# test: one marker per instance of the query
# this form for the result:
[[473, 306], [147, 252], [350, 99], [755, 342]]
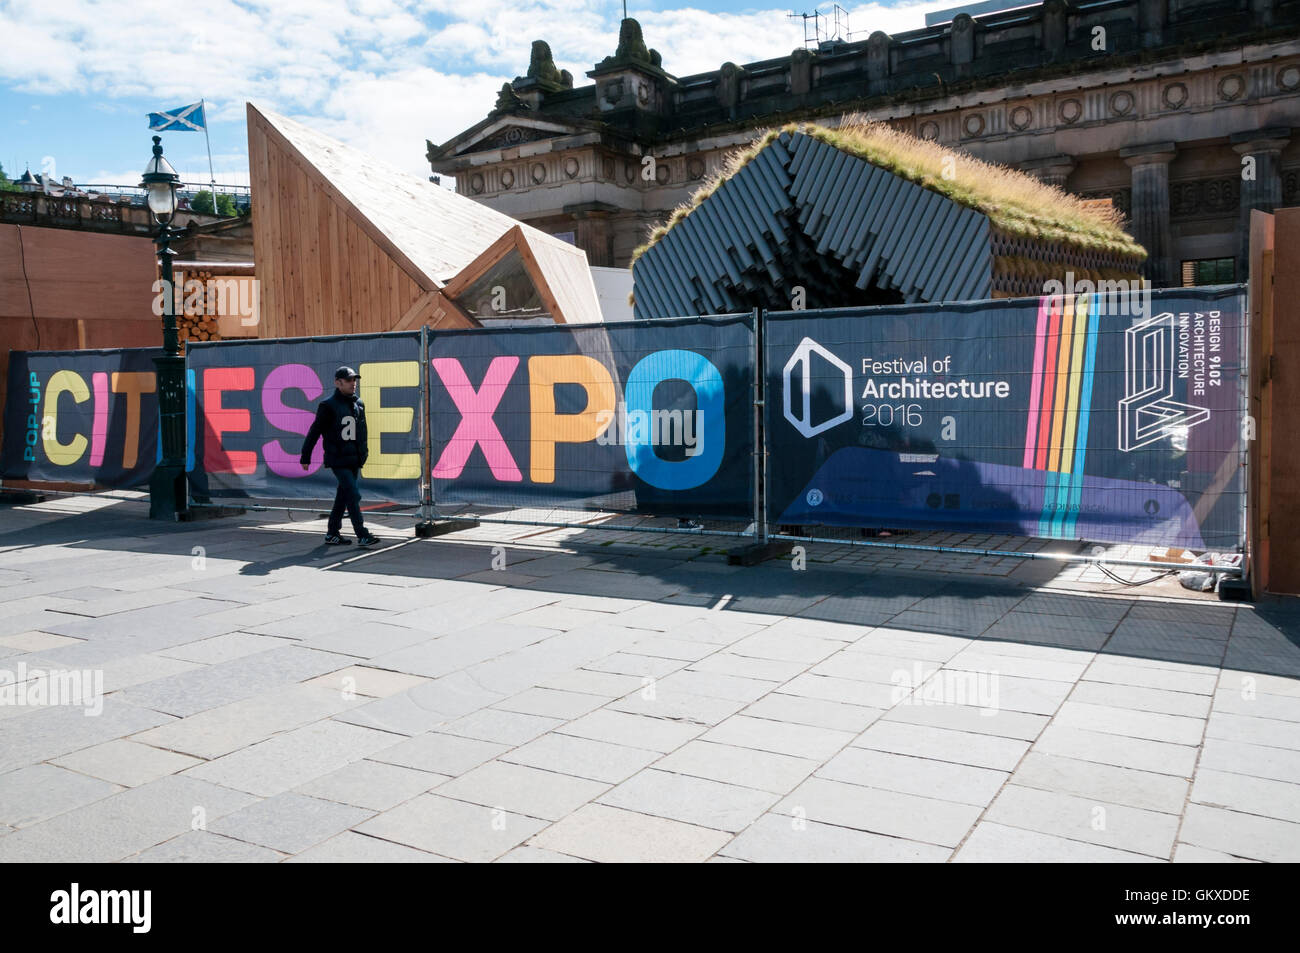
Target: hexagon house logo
[[829, 384]]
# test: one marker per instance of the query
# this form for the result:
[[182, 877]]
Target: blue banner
[[82, 417], [650, 417], [1099, 417], [253, 402]]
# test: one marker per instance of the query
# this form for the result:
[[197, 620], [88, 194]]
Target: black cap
[[345, 373]]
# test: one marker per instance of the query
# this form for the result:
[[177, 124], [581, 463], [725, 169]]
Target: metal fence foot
[[196, 514], [755, 553], [431, 528], [1235, 590]]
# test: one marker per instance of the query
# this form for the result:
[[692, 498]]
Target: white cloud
[[383, 75]]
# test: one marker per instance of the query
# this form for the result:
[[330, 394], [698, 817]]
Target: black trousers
[[347, 497]]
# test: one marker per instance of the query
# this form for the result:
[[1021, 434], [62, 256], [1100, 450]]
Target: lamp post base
[[168, 493]]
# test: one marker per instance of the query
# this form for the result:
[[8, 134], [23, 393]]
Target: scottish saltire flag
[[182, 119]]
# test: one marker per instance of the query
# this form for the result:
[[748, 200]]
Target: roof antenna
[[837, 25]]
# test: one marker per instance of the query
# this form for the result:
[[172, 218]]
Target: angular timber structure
[[867, 215]]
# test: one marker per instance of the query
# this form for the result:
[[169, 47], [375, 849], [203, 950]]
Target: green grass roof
[[1013, 201]]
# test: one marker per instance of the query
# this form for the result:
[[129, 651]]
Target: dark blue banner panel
[[1098, 417], [648, 417], [82, 417], [254, 401]]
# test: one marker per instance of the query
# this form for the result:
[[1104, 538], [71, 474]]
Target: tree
[[202, 203], [5, 184], [226, 205]]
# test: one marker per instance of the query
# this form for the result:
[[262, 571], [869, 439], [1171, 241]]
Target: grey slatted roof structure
[[804, 213]]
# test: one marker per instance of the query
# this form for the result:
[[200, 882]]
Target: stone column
[[1153, 15], [1261, 182], [1149, 213], [962, 44], [877, 57], [1053, 170], [1055, 27], [592, 232]]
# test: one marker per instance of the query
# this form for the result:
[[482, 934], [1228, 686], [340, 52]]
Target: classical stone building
[[1180, 111]]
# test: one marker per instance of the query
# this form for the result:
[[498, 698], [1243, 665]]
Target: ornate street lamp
[[168, 493]]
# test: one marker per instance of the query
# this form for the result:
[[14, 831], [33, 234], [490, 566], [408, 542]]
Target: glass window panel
[[505, 291]]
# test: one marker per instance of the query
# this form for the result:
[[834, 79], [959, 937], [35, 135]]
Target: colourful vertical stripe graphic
[[1056, 430], [1036, 386]]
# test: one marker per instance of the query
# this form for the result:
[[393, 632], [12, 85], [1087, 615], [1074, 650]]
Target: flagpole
[[212, 176]]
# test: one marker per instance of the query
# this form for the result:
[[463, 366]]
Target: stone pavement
[[524, 694]]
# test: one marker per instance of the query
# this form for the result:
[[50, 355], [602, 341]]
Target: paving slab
[[1156, 756], [289, 822], [509, 728], [780, 839], [993, 843], [675, 705], [211, 686], [602, 833], [1191, 854], [1232, 832], [1102, 782], [1238, 792], [293, 758], [815, 712], [439, 753], [350, 847], [219, 731], [205, 847], [1278, 764], [906, 774], [536, 855], [699, 801], [118, 826], [1129, 723], [519, 789], [637, 731], [550, 703], [128, 763], [909, 816], [762, 770], [1085, 819], [374, 785], [942, 744], [452, 828], [30, 795], [582, 757], [1258, 731]]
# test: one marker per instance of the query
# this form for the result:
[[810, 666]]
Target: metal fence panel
[[253, 401], [646, 417], [82, 417], [1056, 417]]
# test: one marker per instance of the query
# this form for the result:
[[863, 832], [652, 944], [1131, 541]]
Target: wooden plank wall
[[1259, 453], [320, 272], [1281, 337]]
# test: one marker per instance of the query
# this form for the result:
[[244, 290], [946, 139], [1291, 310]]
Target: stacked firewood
[[196, 320]]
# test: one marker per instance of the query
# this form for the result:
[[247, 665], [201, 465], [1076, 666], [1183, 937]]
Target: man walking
[[341, 424]]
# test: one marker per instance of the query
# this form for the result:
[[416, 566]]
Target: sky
[[77, 77]]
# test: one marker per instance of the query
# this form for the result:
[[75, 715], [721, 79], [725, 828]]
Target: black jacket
[[331, 419]]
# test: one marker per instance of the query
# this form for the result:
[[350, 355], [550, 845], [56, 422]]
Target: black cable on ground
[[1129, 582]]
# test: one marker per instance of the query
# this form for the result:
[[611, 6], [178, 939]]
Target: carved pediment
[[511, 136]]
